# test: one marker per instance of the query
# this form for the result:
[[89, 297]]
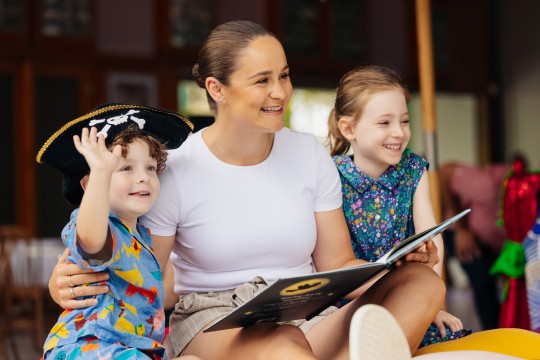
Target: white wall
[[520, 55], [456, 128]]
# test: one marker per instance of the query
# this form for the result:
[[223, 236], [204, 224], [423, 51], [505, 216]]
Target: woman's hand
[[427, 255], [445, 318], [68, 281]]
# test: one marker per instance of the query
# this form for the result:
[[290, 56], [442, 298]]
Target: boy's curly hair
[[158, 150]]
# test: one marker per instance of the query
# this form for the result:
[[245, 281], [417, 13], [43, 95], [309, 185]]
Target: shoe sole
[[376, 335]]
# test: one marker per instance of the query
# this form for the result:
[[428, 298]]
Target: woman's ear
[[84, 181], [346, 128], [214, 88]]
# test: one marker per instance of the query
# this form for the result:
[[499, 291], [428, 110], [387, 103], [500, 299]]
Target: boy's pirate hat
[[60, 152]]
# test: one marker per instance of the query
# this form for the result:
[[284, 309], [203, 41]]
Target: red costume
[[519, 209]]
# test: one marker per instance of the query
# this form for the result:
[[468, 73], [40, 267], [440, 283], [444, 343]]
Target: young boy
[[110, 159]]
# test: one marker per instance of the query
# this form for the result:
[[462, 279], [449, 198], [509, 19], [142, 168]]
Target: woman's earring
[[221, 99]]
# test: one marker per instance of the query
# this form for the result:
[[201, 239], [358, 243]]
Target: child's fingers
[[77, 141], [101, 141], [93, 135], [440, 327], [84, 136], [117, 150]]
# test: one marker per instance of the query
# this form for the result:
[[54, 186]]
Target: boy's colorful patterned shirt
[[132, 311], [379, 212]]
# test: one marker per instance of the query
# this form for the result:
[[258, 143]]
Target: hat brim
[[59, 151]]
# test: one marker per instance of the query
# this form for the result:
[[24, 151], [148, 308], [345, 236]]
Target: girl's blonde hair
[[352, 94]]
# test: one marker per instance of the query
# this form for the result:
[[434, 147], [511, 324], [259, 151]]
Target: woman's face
[[260, 88]]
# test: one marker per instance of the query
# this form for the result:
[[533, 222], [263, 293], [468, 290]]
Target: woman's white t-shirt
[[233, 223]]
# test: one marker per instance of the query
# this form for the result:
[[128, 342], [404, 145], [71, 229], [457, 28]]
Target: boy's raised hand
[[92, 147]]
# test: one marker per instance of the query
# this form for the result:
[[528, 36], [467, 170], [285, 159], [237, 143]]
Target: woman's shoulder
[[186, 150], [300, 140]]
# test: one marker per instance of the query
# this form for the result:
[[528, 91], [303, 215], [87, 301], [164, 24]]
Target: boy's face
[[134, 183]]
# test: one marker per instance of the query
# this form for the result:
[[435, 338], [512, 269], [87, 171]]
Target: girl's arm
[[424, 217], [93, 217]]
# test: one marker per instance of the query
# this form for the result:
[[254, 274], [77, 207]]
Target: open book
[[303, 297], [416, 241]]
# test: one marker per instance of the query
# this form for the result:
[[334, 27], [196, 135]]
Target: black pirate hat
[[59, 151]]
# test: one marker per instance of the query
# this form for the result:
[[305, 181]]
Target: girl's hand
[[69, 280], [445, 318], [92, 147], [427, 255]]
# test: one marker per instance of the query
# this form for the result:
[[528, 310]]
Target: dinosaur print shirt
[[132, 311]]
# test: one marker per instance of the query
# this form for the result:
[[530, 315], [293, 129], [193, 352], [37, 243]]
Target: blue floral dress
[[379, 212]]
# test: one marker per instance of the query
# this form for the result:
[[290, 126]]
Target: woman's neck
[[236, 146]]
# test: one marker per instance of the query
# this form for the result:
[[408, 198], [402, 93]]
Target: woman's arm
[[162, 246], [65, 275], [168, 285], [60, 286]]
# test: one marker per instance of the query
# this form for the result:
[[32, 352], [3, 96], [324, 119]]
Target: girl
[[385, 186]]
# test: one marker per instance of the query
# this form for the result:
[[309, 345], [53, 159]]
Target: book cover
[[299, 297]]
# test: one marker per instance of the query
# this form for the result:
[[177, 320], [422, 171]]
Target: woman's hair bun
[[197, 76]]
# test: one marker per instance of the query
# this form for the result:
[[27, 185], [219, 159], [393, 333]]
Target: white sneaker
[[376, 335]]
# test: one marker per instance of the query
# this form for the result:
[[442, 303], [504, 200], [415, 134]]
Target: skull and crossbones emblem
[[117, 120]]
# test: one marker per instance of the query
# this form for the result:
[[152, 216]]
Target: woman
[[246, 201]]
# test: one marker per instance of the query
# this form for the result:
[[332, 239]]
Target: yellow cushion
[[511, 341]]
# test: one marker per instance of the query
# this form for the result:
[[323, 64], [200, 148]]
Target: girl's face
[[260, 88], [382, 132], [134, 184]]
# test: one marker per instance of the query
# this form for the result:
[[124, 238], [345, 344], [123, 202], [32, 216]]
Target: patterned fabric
[[379, 212], [91, 348], [433, 335], [532, 274], [130, 314]]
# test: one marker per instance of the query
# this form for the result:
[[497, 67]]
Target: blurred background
[[61, 58]]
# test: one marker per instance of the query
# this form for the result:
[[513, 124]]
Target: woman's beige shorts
[[195, 311]]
